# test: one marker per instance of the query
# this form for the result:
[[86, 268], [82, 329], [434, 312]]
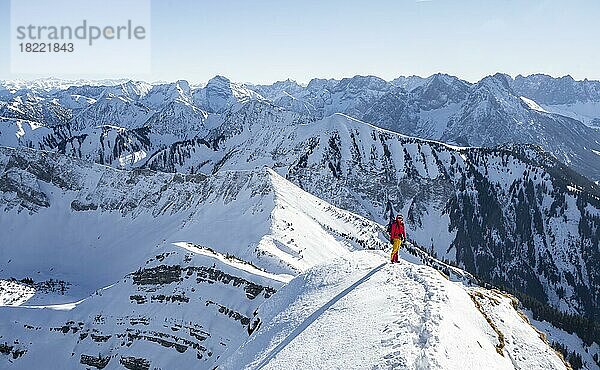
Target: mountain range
[[186, 292], [498, 182]]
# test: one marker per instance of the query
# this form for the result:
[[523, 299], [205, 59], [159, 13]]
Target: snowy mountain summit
[[300, 278], [237, 226], [361, 311]]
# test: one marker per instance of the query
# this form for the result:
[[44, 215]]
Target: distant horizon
[[301, 83], [266, 41]]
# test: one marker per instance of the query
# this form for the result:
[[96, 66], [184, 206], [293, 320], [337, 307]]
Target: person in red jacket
[[397, 236]]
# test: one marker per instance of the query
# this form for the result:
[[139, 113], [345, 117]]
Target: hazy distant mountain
[[493, 111]]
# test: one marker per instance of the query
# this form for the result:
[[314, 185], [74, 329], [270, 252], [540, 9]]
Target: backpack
[[389, 227]]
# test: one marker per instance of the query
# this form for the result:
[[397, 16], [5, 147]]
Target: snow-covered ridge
[[513, 215], [190, 295], [189, 287], [361, 310], [58, 190]]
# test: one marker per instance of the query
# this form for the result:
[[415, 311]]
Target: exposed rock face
[[545, 89], [134, 363]]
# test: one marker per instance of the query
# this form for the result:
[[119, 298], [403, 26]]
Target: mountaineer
[[397, 236]]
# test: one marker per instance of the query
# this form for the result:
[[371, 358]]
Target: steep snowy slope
[[57, 197], [516, 217], [187, 291], [112, 109], [26, 105], [16, 132], [360, 311], [575, 349], [180, 309], [111, 145], [190, 285]]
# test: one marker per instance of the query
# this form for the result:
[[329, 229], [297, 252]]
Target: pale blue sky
[[266, 40]]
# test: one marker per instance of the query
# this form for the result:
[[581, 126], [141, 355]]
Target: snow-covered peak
[[409, 83], [220, 93], [497, 83], [135, 89], [287, 84], [321, 83], [160, 95], [219, 81], [444, 78], [439, 90], [278, 89], [358, 83]]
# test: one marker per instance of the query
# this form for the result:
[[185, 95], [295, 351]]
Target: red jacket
[[398, 231]]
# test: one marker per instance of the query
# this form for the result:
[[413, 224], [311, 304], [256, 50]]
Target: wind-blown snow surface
[[360, 311]]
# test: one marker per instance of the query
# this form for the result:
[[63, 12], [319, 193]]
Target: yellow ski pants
[[396, 244]]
